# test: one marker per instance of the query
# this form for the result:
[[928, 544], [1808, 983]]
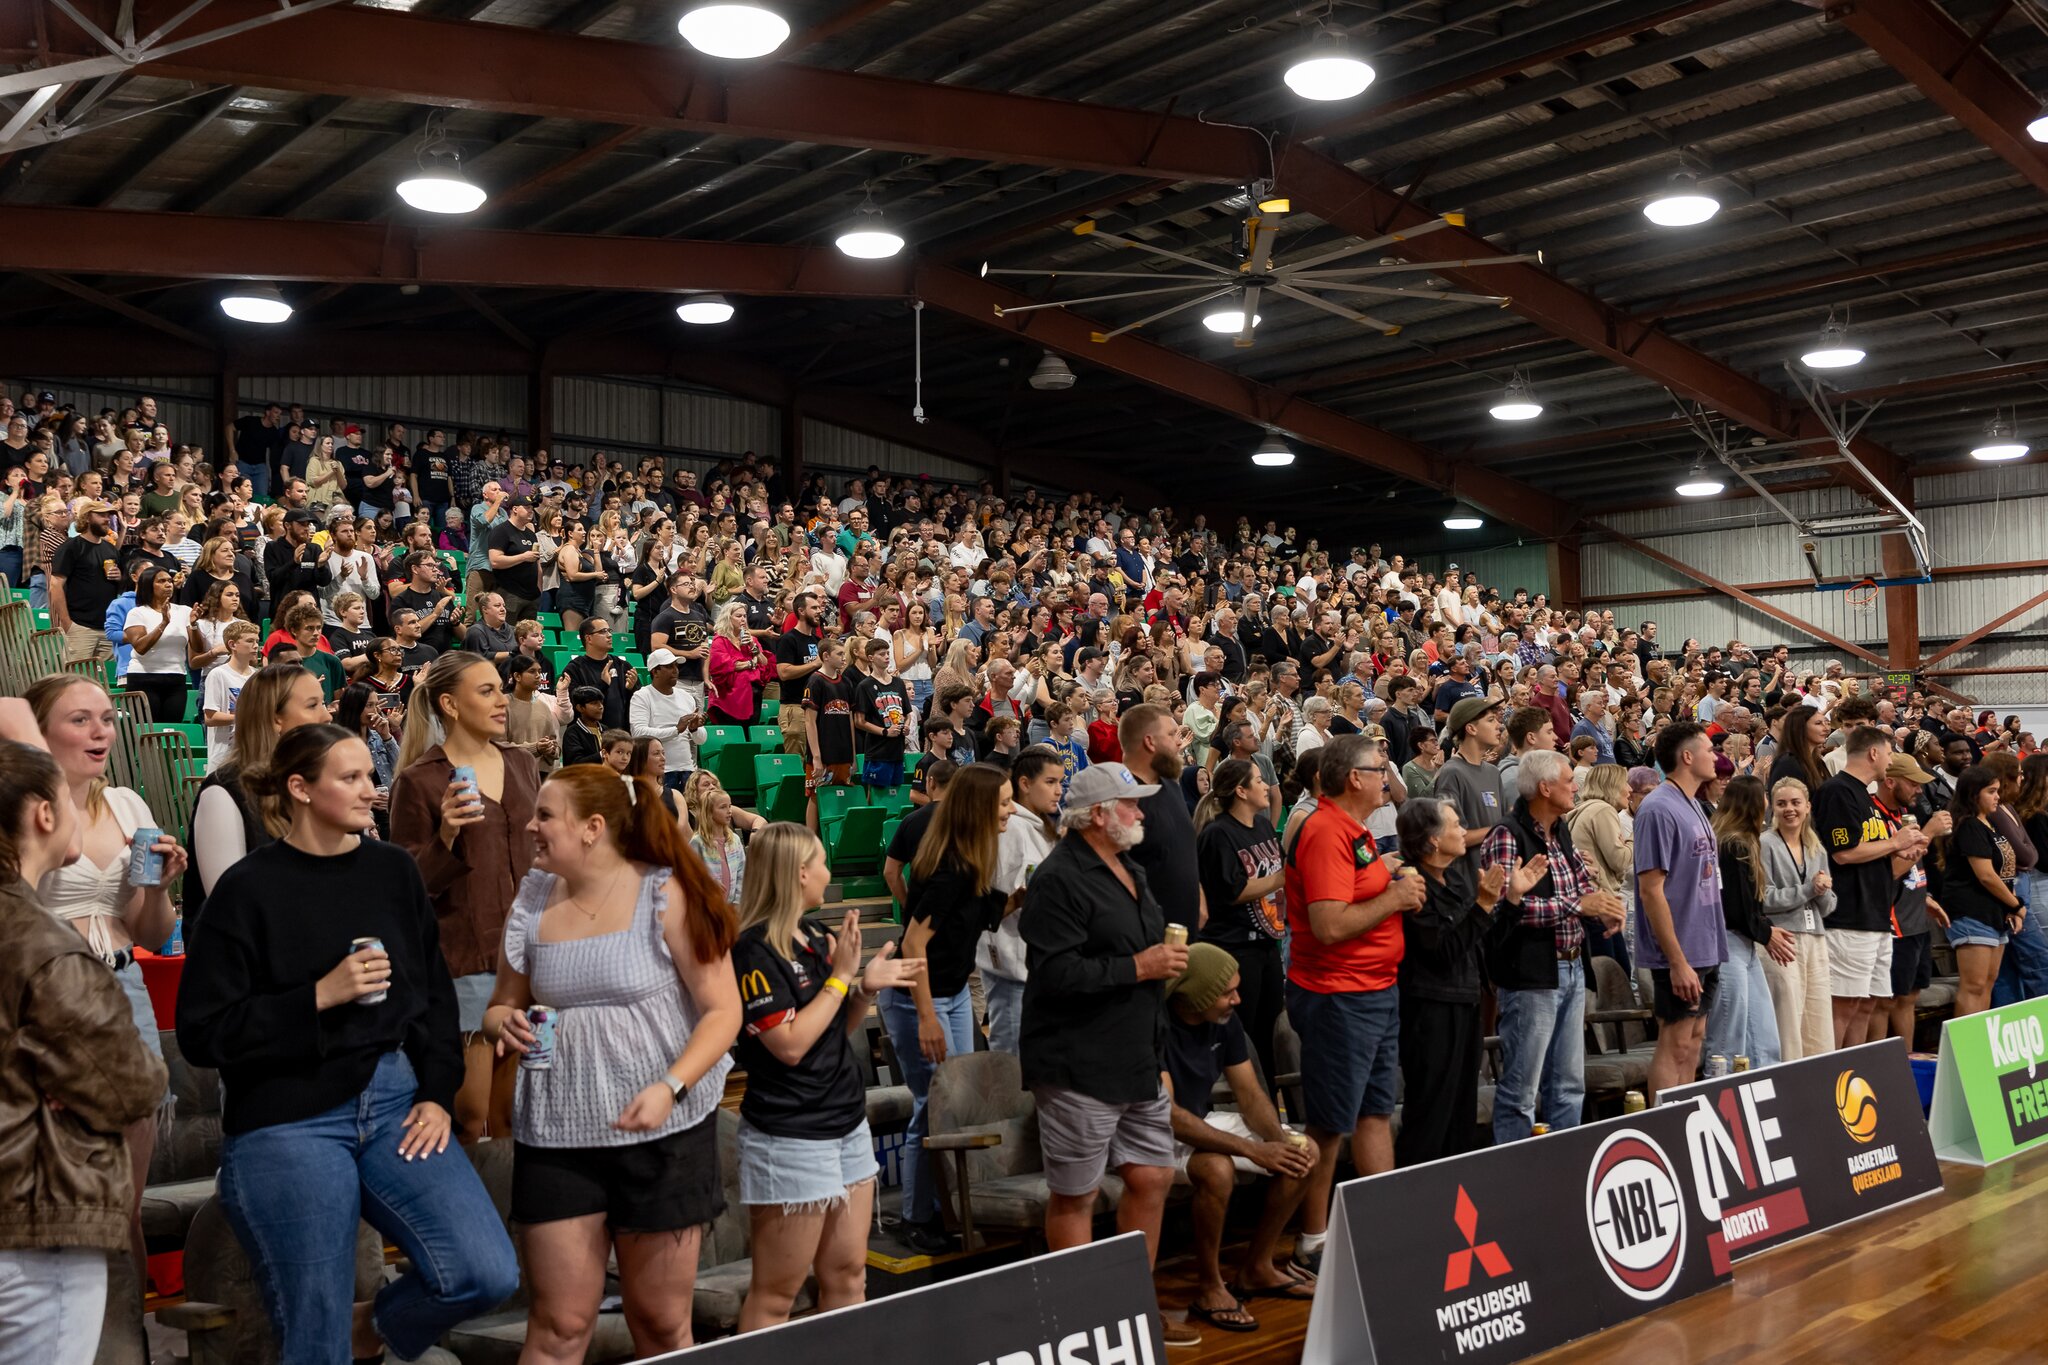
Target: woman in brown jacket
[[473, 848], [75, 1075]]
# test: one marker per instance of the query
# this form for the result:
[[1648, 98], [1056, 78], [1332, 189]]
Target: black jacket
[[1442, 959], [1742, 909], [1523, 957]]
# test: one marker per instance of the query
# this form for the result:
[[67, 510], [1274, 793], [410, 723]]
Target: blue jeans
[[1741, 1021], [38, 592], [293, 1194], [10, 565], [51, 1305], [2023, 973], [1005, 1011], [920, 693], [258, 475], [1542, 1041], [673, 782], [956, 1017]]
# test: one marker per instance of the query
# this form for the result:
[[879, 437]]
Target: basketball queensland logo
[[1856, 1107], [1635, 1214]]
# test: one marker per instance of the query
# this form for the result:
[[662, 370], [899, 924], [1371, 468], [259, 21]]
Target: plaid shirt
[[1570, 881]]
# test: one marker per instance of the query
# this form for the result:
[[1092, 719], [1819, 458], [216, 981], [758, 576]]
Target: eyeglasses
[[1370, 768]]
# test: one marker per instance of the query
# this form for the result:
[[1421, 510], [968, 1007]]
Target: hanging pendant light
[[1463, 517], [1682, 204], [1517, 402], [867, 236], [1273, 453], [1052, 373], [1328, 69], [1698, 483], [2038, 129], [256, 303], [1228, 318], [1833, 351], [438, 185], [705, 310], [735, 32], [2001, 442]]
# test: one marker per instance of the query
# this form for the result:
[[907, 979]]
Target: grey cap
[[1100, 782]]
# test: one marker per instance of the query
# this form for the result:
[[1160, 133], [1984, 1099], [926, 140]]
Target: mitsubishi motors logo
[[1458, 1267]]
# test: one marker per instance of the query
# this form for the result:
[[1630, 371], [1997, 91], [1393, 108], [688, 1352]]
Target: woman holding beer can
[[117, 895], [339, 1060], [807, 1162], [617, 948], [461, 804]]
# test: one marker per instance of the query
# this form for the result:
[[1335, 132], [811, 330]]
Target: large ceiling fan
[[1236, 289]]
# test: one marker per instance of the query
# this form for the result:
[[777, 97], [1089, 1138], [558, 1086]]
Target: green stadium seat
[[733, 765], [769, 737], [770, 709], [834, 801], [716, 737], [772, 768], [895, 800], [550, 619], [855, 844], [785, 798]]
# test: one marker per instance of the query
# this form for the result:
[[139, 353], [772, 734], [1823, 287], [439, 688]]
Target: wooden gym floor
[[1959, 1278]]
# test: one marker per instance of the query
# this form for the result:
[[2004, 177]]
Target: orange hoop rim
[[1861, 593]]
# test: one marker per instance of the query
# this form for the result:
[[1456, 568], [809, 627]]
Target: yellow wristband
[[833, 983]]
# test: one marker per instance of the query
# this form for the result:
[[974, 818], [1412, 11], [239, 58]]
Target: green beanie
[[1209, 971]]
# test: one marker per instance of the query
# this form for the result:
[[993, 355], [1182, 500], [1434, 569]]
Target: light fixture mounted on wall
[[256, 303]]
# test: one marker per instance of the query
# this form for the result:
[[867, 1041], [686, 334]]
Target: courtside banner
[[1091, 1305], [1792, 1149], [1505, 1252], [1991, 1084]]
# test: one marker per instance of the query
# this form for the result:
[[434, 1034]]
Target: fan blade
[[1136, 245], [1417, 265], [1102, 274], [1096, 298], [1365, 319], [1339, 253], [1251, 316], [1389, 291], [1163, 313], [1261, 258]]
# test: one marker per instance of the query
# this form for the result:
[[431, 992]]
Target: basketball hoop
[[1862, 593]]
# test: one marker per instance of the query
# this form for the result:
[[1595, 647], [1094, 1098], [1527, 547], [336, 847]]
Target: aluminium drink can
[[1176, 936], [541, 1056], [1717, 1066], [356, 945], [145, 864]]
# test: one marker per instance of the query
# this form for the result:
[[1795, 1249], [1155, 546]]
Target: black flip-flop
[[1216, 1318], [1297, 1288]]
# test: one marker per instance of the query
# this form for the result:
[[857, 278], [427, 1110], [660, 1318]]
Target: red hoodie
[[1102, 742]]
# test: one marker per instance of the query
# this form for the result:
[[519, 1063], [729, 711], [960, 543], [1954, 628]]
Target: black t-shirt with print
[[435, 476], [819, 1096], [1962, 895], [1231, 857], [1844, 816], [830, 700], [521, 580], [884, 704]]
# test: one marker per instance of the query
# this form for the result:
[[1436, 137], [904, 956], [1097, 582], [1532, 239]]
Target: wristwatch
[[675, 1087]]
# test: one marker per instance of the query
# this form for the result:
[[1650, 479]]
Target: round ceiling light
[[868, 236], [1698, 483], [1517, 402], [1273, 453], [2038, 129], [1682, 204], [1833, 351], [705, 310], [735, 32], [2000, 443], [1462, 518], [1229, 320], [439, 186], [256, 303], [1327, 69]]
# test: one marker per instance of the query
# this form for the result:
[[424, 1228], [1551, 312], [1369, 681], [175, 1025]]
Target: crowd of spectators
[[1386, 804]]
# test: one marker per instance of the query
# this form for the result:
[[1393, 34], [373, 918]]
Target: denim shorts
[[1964, 932], [803, 1174], [472, 997], [140, 1007], [1350, 1054]]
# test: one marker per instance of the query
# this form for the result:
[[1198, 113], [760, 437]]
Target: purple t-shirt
[[1673, 836]]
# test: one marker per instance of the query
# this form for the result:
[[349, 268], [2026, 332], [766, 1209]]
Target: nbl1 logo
[[1635, 1214]]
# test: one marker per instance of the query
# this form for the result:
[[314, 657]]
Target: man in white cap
[[666, 712], [1093, 1043]]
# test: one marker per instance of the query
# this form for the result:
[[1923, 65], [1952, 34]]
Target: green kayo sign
[[1991, 1085]]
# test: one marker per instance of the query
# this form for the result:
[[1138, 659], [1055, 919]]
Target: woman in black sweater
[[332, 1020], [1441, 975]]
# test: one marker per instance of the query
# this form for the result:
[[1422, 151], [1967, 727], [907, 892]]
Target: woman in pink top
[[737, 668]]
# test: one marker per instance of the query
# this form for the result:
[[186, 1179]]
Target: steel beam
[[1750, 600], [1980, 632], [1919, 40]]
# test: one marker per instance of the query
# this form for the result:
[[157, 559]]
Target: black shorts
[[1670, 1008], [1912, 962], [666, 1185]]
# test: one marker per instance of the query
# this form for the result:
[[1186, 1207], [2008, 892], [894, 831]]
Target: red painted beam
[[1340, 196], [380, 55], [1980, 632], [1921, 42]]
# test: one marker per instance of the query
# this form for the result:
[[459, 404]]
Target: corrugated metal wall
[[492, 403], [1505, 567], [185, 408], [835, 448], [647, 417]]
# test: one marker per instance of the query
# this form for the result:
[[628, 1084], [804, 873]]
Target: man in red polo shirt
[[1344, 902]]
